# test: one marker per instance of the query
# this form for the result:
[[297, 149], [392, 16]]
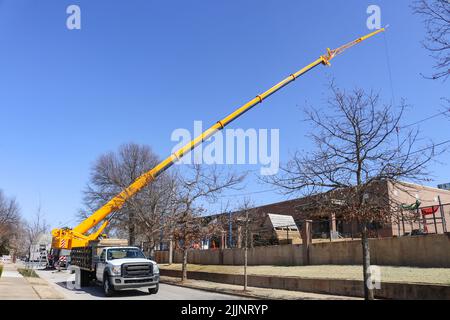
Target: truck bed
[[83, 258], [86, 257]]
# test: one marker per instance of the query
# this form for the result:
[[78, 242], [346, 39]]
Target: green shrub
[[28, 273]]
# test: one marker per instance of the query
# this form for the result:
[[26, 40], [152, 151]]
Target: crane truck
[[111, 265]]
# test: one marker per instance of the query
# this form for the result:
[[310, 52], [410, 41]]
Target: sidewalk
[[13, 286], [252, 292]]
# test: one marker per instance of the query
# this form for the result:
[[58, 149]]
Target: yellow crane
[[65, 238]]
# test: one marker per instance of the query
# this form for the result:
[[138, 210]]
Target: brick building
[[425, 210]]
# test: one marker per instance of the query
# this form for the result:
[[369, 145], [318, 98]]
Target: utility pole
[[170, 250], [230, 236], [246, 251], [245, 222]]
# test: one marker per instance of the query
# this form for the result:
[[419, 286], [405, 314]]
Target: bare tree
[[436, 15], [195, 187], [35, 228], [10, 222], [155, 210], [17, 242], [141, 216], [358, 146]]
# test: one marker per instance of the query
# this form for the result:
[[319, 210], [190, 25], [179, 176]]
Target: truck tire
[[108, 289], [85, 278], [154, 290]]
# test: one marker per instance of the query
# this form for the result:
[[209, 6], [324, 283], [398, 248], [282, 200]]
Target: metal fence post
[[441, 209], [418, 218], [403, 221]]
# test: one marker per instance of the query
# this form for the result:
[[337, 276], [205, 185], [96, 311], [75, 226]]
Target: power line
[[250, 193], [388, 60], [426, 119], [402, 127], [275, 189], [426, 148]]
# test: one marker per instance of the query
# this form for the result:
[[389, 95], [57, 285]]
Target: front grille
[[138, 280], [137, 270]]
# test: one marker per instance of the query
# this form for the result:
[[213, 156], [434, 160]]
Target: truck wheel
[[154, 290], [108, 289]]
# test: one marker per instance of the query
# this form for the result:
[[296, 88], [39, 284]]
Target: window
[[375, 226], [125, 253], [102, 256]]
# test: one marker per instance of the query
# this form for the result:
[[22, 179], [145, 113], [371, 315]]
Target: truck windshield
[[124, 253]]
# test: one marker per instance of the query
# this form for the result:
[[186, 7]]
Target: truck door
[[101, 266]]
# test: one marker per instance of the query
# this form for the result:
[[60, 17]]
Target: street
[[166, 292]]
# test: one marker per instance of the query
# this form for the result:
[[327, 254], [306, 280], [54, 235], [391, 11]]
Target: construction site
[[317, 168]]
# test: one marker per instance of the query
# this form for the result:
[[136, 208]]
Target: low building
[[413, 209]]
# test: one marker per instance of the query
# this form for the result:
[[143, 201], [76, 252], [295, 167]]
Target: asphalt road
[[58, 281]]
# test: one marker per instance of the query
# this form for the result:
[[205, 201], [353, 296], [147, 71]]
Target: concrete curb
[[167, 280], [270, 294]]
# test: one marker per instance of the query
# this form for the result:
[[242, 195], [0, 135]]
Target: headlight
[[115, 270], [155, 268]]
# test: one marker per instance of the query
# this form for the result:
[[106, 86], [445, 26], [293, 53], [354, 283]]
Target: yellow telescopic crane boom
[[70, 238]]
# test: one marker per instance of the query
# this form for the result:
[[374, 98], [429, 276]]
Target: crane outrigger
[[66, 238]]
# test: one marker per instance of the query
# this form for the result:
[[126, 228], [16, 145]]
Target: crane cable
[[393, 95], [391, 83], [388, 62]]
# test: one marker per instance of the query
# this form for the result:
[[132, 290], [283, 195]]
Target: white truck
[[115, 268]]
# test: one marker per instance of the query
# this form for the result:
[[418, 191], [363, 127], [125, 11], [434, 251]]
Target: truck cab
[[121, 268]]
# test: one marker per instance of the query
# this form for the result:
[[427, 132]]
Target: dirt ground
[[388, 273]]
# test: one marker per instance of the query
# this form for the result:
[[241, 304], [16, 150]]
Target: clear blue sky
[[139, 69]]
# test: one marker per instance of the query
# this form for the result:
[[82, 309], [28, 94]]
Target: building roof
[[282, 221], [411, 184]]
